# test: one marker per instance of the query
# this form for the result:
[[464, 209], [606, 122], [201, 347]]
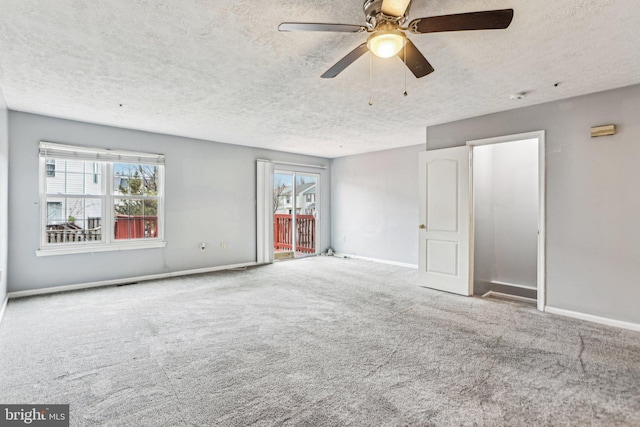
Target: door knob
[[422, 226]]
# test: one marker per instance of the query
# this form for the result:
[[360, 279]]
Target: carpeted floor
[[313, 342]]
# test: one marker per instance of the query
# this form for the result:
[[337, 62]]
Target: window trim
[[72, 249], [108, 242]]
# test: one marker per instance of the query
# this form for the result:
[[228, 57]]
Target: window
[[54, 212], [96, 172], [51, 167], [99, 199]]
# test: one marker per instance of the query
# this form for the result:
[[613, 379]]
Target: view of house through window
[[97, 201], [74, 202]]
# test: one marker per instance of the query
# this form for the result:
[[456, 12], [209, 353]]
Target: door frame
[[294, 241], [541, 263]]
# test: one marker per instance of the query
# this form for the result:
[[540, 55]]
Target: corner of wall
[[374, 206], [4, 200]]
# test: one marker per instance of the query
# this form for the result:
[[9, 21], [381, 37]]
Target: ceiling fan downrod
[[374, 15]]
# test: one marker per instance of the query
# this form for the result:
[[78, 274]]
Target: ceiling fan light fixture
[[386, 44]]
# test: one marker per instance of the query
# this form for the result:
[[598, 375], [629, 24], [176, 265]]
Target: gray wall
[[209, 197], [374, 204], [4, 208], [593, 232], [505, 193]]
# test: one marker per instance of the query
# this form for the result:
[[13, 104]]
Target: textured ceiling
[[221, 71]]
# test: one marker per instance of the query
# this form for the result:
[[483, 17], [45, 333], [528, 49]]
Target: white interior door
[[445, 256]]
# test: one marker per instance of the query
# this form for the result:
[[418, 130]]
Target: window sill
[[70, 250]]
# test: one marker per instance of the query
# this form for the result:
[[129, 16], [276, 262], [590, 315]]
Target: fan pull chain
[[405, 68], [370, 79]]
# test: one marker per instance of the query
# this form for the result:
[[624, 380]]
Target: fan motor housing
[[374, 16]]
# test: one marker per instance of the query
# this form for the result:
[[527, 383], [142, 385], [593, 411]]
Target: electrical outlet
[[223, 246], [203, 247], [344, 238]]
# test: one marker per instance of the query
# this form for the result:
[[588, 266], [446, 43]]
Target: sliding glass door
[[305, 214], [295, 207]]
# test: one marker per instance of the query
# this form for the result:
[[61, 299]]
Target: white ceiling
[[221, 71]]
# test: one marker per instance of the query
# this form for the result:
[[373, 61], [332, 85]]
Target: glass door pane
[[305, 214], [283, 214]]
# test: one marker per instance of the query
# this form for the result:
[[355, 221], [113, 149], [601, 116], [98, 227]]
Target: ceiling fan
[[385, 21]]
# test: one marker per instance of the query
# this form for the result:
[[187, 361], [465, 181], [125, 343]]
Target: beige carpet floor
[[313, 342]]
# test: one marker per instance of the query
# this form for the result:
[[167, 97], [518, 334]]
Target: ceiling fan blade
[[314, 26], [346, 61], [416, 62], [487, 20], [395, 8]]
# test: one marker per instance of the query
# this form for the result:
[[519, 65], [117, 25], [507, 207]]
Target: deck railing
[[71, 232], [74, 235], [125, 227], [305, 233]]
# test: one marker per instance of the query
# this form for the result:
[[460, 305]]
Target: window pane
[[93, 180], [73, 220], [55, 181], [96, 172], [121, 178], [306, 194], [135, 179], [50, 166], [74, 183], [54, 211], [149, 174], [74, 166], [135, 219], [74, 209], [75, 178]]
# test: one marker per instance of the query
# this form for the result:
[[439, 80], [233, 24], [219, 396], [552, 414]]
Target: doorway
[[447, 234], [505, 219], [295, 207]]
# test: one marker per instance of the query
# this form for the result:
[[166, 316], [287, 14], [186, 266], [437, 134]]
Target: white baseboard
[[509, 296], [513, 285], [4, 306], [32, 292], [381, 261], [592, 318]]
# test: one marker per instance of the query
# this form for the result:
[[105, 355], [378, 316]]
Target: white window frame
[[106, 159]]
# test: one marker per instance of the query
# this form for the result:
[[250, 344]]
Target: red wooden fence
[[135, 227], [305, 233]]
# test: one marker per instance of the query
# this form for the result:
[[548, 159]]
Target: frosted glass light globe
[[386, 44]]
